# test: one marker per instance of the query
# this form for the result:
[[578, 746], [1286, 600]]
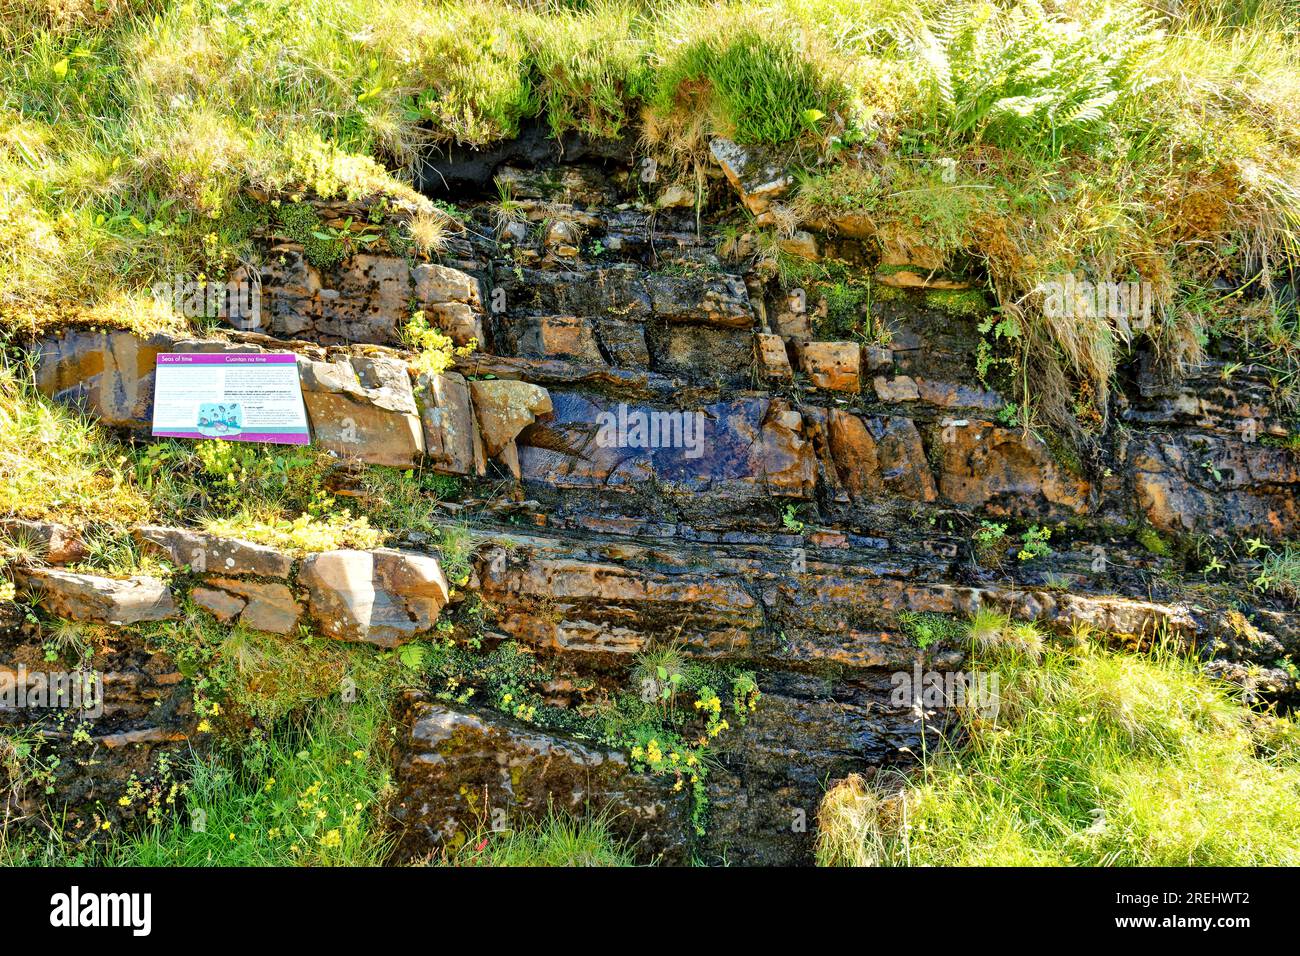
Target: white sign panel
[[237, 397]]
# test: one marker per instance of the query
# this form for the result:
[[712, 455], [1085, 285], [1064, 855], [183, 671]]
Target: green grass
[[306, 794], [128, 137], [55, 463], [926, 628], [310, 792], [1095, 758], [559, 839]]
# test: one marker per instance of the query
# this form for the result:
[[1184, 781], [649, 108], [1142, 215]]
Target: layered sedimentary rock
[[677, 450]]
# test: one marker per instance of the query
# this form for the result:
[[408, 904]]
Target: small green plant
[[991, 630], [1005, 333], [927, 629], [1152, 540], [1034, 543], [435, 351], [659, 674], [507, 210], [990, 541], [1280, 573], [666, 740], [790, 520], [987, 627], [558, 839]]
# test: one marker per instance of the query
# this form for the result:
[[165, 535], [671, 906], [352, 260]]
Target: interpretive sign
[[237, 397]]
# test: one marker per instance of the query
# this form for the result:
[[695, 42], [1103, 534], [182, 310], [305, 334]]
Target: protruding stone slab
[[384, 597], [903, 388], [880, 455], [835, 366], [210, 553], [772, 357], [758, 180], [100, 600], [364, 408], [451, 440], [266, 606], [505, 408]]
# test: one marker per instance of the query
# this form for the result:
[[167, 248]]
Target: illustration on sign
[[240, 397]]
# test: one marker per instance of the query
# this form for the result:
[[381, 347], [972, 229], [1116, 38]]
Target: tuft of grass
[[1280, 572], [1095, 758], [849, 825], [754, 72], [993, 632], [559, 839], [927, 628]]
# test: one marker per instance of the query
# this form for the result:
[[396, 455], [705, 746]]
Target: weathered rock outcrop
[[368, 301], [364, 408], [382, 597], [681, 451], [463, 771], [99, 600], [111, 756], [208, 552]]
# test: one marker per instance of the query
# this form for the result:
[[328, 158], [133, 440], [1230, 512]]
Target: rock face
[[1198, 486], [382, 597], [367, 299], [751, 446], [880, 455], [100, 600], [452, 443], [364, 408], [758, 180], [675, 482], [462, 770], [831, 365], [91, 756], [110, 374], [1006, 472], [505, 409], [260, 606]]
